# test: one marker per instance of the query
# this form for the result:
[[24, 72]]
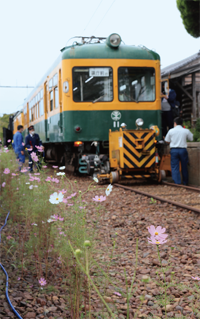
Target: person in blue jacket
[[18, 146], [31, 141]]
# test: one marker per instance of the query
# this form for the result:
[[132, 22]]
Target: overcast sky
[[33, 32]]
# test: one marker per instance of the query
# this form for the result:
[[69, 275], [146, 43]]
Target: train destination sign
[[99, 72]]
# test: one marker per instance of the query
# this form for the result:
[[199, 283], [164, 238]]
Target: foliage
[[195, 131], [4, 121], [190, 12]]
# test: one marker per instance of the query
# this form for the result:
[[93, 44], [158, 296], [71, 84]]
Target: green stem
[[133, 279], [94, 286], [164, 280], [87, 272]]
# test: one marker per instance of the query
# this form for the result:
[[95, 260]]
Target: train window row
[[95, 84], [36, 105]]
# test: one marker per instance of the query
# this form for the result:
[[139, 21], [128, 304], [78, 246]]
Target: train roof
[[98, 50], [104, 51]]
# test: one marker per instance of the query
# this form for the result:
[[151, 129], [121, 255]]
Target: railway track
[[185, 197]]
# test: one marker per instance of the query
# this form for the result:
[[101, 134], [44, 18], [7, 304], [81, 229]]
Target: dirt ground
[[125, 218]]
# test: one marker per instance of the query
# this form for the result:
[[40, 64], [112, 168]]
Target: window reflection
[[136, 84], [93, 84]]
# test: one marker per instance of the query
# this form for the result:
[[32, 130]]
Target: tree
[[190, 14]]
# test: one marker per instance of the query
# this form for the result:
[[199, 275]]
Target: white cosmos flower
[[50, 220], [30, 162], [95, 179], [56, 198], [109, 189], [27, 183], [31, 187], [62, 167], [60, 174], [36, 186]]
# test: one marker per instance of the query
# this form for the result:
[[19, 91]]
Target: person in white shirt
[[177, 137]]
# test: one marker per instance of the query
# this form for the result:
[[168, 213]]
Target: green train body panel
[[94, 125], [103, 51]]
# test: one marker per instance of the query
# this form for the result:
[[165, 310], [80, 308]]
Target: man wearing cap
[[18, 146], [31, 142]]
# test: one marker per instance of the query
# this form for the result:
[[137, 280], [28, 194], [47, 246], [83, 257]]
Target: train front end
[[105, 83]]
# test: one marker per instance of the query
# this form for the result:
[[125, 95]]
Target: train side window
[[55, 80], [51, 101], [56, 98], [41, 107], [50, 84]]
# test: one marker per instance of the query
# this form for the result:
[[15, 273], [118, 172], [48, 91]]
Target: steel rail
[[160, 198], [195, 189]]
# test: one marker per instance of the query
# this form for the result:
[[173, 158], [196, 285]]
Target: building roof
[[186, 66]]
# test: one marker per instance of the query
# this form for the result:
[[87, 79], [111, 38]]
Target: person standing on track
[[31, 142], [177, 137], [18, 146]]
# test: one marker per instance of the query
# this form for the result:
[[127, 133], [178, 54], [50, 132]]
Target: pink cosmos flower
[[55, 217], [23, 144], [65, 200], [55, 180], [63, 191], [18, 278], [36, 173], [69, 197], [6, 151], [35, 158], [72, 195], [99, 199], [8, 141], [81, 207], [44, 166], [6, 171], [195, 278], [13, 174], [3, 184], [42, 282], [158, 231], [157, 241], [59, 260], [61, 218], [70, 204], [17, 188], [24, 170], [117, 294], [9, 237], [55, 166]]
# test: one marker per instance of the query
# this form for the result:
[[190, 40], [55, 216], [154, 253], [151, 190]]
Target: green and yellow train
[[94, 86]]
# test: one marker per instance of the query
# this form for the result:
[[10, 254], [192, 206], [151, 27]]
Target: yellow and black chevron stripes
[[134, 158]]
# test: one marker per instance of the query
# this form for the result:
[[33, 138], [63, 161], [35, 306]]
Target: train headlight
[[113, 40], [139, 122]]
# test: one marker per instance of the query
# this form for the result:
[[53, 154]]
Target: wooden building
[[184, 78]]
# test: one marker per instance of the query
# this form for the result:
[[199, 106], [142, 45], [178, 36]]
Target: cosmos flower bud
[[87, 243], [77, 252]]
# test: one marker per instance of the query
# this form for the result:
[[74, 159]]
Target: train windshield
[[136, 84], [92, 84]]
